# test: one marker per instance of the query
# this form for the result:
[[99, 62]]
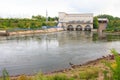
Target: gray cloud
[[27, 8]]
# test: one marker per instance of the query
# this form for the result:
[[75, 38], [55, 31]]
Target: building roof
[[77, 13], [102, 19]]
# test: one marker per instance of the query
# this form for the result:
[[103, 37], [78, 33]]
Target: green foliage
[[116, 29], [42, 18], [44, 24], [90, 73], [34, 23], [39, 17], [24, 77], [5, 75], [113, 24], [95, 37], [106, 77], [40, 76], [95, 23], [50, 19], [115, 70], [51, 23], [59, 77], [109, 17]]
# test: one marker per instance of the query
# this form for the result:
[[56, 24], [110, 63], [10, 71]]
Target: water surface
[[30, 54]]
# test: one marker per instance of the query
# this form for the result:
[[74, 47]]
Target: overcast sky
[[27, 8]]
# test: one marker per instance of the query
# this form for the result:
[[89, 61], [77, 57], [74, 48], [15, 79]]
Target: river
[[29, 54]]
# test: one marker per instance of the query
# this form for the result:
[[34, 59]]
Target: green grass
[[90, 73]]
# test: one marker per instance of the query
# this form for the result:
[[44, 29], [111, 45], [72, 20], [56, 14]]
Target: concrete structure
[[76, 21], [102, 24]]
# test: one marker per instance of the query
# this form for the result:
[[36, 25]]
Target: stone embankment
[[21, 32], [2, 32]]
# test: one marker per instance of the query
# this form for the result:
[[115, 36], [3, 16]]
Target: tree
[[56, 18], [39, 17], [44, 24], [109, 17], [95, 23]]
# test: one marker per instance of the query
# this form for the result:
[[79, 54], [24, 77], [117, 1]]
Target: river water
[[29, 54]]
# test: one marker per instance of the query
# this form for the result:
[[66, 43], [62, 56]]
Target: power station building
[[76, 21]]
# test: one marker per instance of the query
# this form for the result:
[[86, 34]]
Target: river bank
[[23, 32], [92, 70]]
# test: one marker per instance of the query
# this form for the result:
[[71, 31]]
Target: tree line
[[38, 21], [113, 24], [34, 23]]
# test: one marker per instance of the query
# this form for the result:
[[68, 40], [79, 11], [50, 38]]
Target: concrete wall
[[102, 26], [35, 31], [6, 33]]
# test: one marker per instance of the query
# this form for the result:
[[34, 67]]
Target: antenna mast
[[46, 16]]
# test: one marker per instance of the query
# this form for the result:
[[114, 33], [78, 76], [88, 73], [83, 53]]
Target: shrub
[[114, 67], [40, 76], [5, 75]]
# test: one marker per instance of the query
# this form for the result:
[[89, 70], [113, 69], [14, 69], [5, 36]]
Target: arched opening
[[70, 28], [79, 28], [87, 28]]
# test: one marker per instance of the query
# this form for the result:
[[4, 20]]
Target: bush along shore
[[23, 32], [105, 68]]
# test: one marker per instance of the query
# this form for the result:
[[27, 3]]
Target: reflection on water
[[106, 37], [53, 51]]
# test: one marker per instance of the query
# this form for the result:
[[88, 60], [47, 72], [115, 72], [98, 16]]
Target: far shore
[[23, 32]]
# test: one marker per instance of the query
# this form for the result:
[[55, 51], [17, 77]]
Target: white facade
[[75, 20]]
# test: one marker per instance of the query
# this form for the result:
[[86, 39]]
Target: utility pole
[[46, 16]]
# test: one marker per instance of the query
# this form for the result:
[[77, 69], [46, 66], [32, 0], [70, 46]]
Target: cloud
[[27, 8]]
